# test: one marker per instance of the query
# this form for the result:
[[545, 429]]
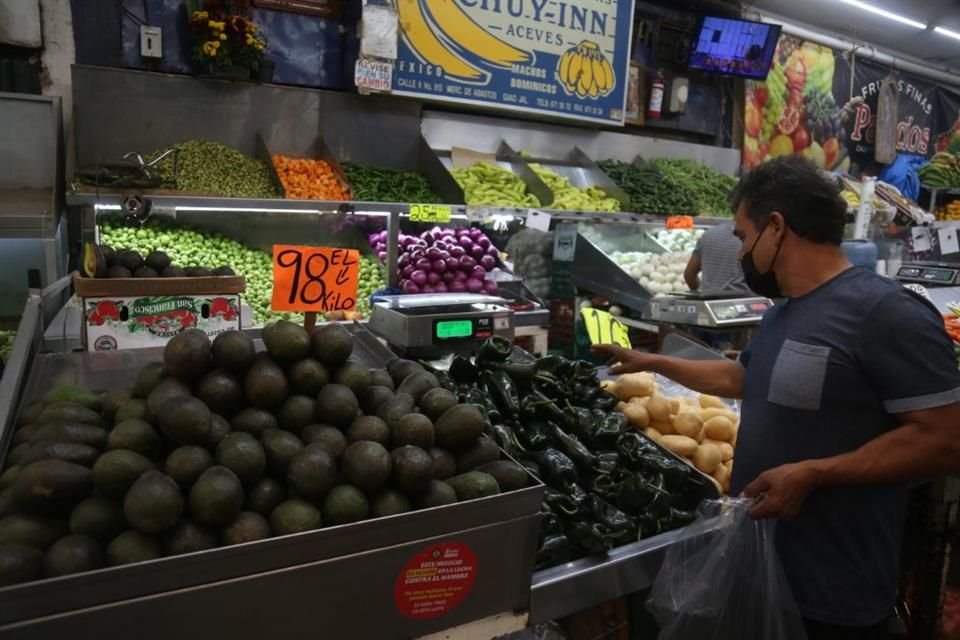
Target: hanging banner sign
[[815, 104], [566, 58]]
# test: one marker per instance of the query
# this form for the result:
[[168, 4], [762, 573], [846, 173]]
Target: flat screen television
[[734, 47]]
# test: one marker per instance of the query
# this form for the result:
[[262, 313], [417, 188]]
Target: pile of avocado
[[221, 445], [103, 261]]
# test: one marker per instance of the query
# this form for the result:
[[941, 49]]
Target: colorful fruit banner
[[566, 58], [813, 102]]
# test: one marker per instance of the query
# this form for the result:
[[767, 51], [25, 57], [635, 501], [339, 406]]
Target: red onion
[[452, 263], [410, 287], [440, 288], [466, 262], [476, 251], [457, 251], [423, 264], [419, 277], [488, 263], [478, 272], [491, 287], [474, 285], [457, 287], [439, 265], [433, 277], [448, 276]]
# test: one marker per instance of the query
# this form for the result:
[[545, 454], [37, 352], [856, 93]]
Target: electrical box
[[679, 93], [151, 43]]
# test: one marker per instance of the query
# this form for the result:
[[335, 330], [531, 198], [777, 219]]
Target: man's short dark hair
[[807, 198]]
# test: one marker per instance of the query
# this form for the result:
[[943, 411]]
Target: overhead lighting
[[947, 32], [896, 17]]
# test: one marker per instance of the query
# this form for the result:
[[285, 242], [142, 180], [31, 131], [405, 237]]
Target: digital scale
[[435, 323], [705, 310], [935, 274]]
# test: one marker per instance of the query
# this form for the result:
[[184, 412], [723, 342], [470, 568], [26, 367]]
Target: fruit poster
[[947, 136], [814, 102], [565, 58]]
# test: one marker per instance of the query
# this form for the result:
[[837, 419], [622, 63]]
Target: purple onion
[[419, 277], [465, 242], [440, 287], [380, 246], [433, 277], [428, 237], [406, 271], [433, 253], [460, 276], [373, 237], [484, 242], [439, 265], [382, 255], [410, 287], [403, 260], [444, 255], [448, 276], [492, 251], [488, 262], [474, 285], [478, 272], [423, 264], [447, 233], [407, 241], [457, 286], [457, 251], [467, 263], [463, 232], [427, 289], [452, 263], [476, 251], [491, 287], [476, 233]]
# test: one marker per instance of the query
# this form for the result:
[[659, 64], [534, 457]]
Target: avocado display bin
[[395, 577]]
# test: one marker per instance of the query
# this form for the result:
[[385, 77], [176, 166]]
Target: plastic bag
[[723, 580]]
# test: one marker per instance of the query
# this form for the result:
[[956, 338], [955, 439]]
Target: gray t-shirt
[[824, 374], [719, 266]]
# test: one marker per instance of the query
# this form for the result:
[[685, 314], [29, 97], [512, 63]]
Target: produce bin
[[505, 158], [350, 581], [582, 172], [269, 145]]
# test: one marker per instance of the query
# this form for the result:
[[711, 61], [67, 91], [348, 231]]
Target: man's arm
[[691, 274], [722, 378], [925, 446]]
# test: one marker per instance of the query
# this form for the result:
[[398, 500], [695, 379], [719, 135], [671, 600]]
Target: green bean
[[372, 184]]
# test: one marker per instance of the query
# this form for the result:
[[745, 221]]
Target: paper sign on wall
[[314, 278], [604, 328], [948, 240], [921, 239]]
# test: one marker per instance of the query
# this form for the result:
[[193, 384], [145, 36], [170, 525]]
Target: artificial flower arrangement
[[224, 35]]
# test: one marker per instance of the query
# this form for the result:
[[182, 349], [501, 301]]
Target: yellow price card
[[438, 213], [604, 328]]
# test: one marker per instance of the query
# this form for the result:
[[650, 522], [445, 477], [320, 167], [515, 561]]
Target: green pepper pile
[[710, 189], [571, 198], [488, 184], [371, 184], [649, 190], [607, 484]]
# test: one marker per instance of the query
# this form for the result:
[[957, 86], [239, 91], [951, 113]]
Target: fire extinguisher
[[655, 106]]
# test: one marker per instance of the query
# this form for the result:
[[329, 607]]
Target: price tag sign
[[679, 222], [604, 328], [437, 213], [314, 278]]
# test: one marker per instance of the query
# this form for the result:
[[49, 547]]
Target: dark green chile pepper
[[575, 450], [542, 407], [608, 515], [636, 450], [494, 349], [584, 393], [532, 467], [446, 380], [605, 401], [608, 431], [507, 440], [534, 435], [580, 422], [519, 371], [462, 370], [555, 549], [640, 492], [562, 505], [607, 462], [604, 484], [558, 470], [674, 471], [591, 537], [503, 391], [681, 517], [550, 364], [550, 524], [476, 396]]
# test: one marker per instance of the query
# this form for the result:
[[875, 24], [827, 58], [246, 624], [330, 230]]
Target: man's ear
[[777, 222]]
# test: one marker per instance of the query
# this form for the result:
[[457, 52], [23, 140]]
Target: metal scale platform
[[433, 324], [707, 310]]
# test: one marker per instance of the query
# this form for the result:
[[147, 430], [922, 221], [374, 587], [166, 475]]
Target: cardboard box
[[134, 313]]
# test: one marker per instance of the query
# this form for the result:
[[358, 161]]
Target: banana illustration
[[425, 43], [463, 32], [585, 72]]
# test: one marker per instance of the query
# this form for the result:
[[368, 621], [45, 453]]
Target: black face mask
[[763, 284]]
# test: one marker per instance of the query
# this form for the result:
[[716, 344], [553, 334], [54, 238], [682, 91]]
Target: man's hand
[[780, 491], [629, 361]]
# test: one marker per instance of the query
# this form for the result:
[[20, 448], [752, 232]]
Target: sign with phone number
[[565, 58]]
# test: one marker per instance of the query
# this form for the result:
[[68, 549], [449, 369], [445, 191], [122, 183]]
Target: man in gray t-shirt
[[716, 257], [850, 392]]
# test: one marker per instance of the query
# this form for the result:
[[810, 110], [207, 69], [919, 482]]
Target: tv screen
[[734, 47]]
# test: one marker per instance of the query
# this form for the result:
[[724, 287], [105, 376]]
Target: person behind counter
[[716, 257], [850, 391]]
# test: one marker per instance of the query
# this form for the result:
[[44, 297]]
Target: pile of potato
[[701, 430]]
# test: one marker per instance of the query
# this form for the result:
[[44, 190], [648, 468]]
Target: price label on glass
[[437, 213], [603, 328], [314, 278]]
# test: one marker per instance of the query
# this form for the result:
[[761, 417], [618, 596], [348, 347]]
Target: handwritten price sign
[[438, 213], [603, 328], [314, 278]]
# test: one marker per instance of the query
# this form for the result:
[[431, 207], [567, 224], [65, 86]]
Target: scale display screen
[[452, 329], [734, 310]]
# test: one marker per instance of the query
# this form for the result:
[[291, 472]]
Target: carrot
[[307, 179]]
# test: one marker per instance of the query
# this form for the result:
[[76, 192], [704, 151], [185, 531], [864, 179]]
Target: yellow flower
[[216, 44], [209, 49], [223, 36], [200, 15]]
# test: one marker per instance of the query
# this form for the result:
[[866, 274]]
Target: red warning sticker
[[435, 580]]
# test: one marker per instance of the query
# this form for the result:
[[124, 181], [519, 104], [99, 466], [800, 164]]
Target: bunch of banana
[[943, 171], [585, 71], [442, 34]]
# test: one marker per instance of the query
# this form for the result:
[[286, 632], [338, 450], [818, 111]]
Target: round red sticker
[[435, 580]]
